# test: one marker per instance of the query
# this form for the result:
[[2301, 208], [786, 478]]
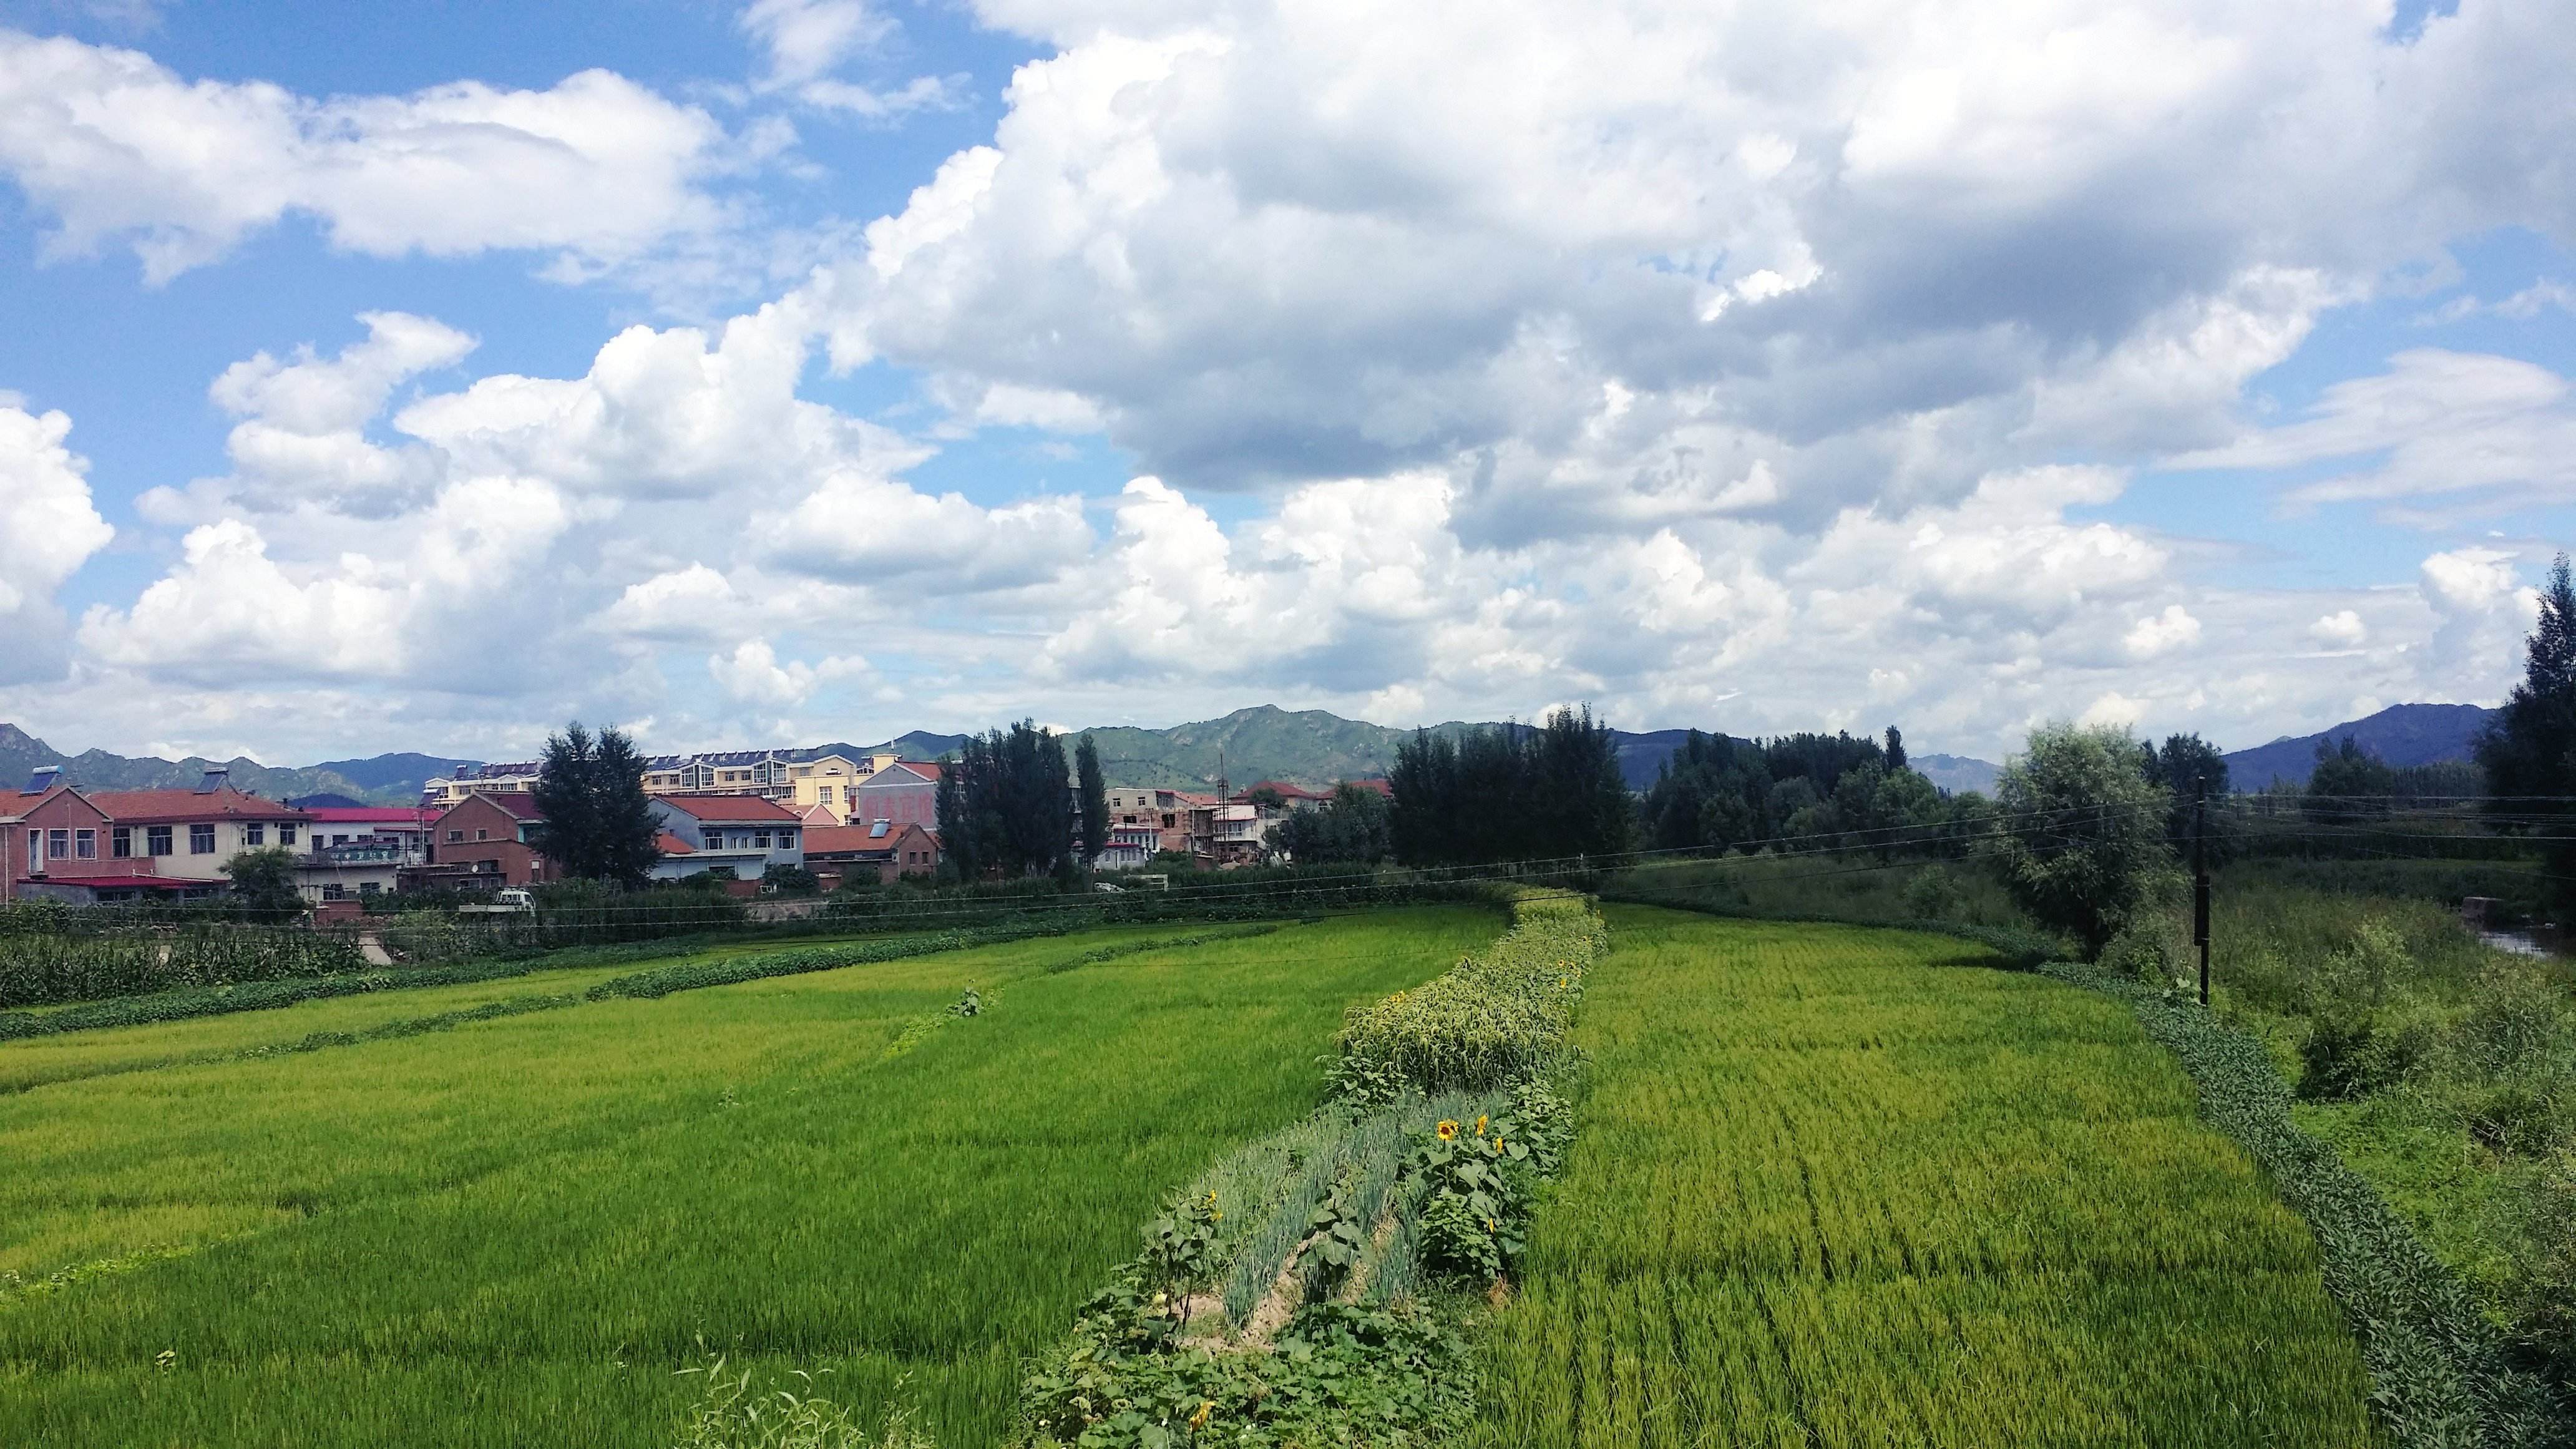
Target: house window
[[714, 839], [120, 841], [254, 834], [58, 845], [85, 845], [787, 840], [368, 887], [455, 837], [760, 840], [286, 835], [335, 892], [156, 839], [35, 852], [482, 834], [487, 867], [201, 840], [339, 840]]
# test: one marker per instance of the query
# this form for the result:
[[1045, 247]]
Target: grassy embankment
[[1839, 1187], [516, 1231]]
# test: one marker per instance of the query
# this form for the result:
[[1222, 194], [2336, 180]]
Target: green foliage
[[530, 1221], [792, 880], [1512, 792], [2082, 833], [1476, 1184], [2348, 786], [37, 969], [2439, 1376], [1842, 1186], [265, 881], [598, 823], [729, 1415], [1492, 1019], [1094, 802], [1356, 827], [1011, 810], [2528, 754]]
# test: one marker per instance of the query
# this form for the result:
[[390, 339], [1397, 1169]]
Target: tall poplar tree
[[2529, 750], [1095, 799]]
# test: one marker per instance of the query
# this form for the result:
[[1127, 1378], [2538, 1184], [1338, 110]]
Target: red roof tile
[[670, 844], [726, 809], [137, 806]]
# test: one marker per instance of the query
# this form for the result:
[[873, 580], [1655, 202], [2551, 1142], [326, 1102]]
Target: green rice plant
[[515, 1232], [1842, 1186]]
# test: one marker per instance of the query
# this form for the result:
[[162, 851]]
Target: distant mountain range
[[1302, 747], [2402, 734]]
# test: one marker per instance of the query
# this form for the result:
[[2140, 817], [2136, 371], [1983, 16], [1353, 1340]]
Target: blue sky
[[809, 369]]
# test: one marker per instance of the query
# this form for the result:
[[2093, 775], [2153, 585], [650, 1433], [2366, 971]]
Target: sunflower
[[1480, 1124], [1447, 1129], [1199, 1419]]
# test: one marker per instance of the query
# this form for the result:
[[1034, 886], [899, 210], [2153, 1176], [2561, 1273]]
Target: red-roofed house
[[904, 792], [1291, 797], [890, 849], [53, 846], [745, 833], [192, 834], [481, 842]]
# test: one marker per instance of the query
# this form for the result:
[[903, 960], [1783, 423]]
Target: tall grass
[[1842, 1187], [519, 1231]]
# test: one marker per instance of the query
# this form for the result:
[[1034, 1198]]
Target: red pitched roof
[[726, 809], [670, 844], [512, 803], [1379, 785], [138, 806], [1286, 790], [926, 771]]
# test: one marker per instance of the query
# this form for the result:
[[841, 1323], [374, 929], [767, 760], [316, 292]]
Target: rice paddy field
[[1842, 1186], [517, 1230]]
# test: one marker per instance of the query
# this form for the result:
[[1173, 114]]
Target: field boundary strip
[[2439, 1374], [2440, 1377], [1316, 1285]]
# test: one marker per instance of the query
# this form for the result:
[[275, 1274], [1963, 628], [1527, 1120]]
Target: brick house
[[54, 844], [192, 834], [889, 849], [904, 792], [482, 842]]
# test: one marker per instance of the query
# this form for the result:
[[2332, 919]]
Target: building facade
[[482, 843], [744, 833], [193, 834], [889, 850], [904, 792]]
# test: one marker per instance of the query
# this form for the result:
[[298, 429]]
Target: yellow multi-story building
[[826, 780], [830, 781]]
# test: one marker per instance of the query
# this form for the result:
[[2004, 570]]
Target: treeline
[[1007, 806], [1514, 792], [1801, 791]]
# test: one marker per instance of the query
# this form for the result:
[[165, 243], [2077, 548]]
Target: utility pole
[[2200, 879]]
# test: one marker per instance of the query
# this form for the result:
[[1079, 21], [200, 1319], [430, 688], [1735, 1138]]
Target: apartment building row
[[832, 781]]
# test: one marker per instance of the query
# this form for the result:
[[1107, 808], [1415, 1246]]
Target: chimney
[[217, 776], [44, 778]]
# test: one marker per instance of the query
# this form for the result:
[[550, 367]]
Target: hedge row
[[1489, 1020], [39, 969], [2439, 1375]]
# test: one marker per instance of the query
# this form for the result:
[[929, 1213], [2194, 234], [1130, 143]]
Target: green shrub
[[1488, 1021]]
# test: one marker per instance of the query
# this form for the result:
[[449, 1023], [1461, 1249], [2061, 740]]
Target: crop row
[[1308, 1288], [40, 969], [1842, 1187], [2440, 1376]]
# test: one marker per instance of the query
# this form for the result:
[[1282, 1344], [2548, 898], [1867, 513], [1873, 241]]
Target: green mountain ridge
[[1310, 747]]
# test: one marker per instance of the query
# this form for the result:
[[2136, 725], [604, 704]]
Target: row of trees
[[1720, 793], [1514, 792], [1008, 805]]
